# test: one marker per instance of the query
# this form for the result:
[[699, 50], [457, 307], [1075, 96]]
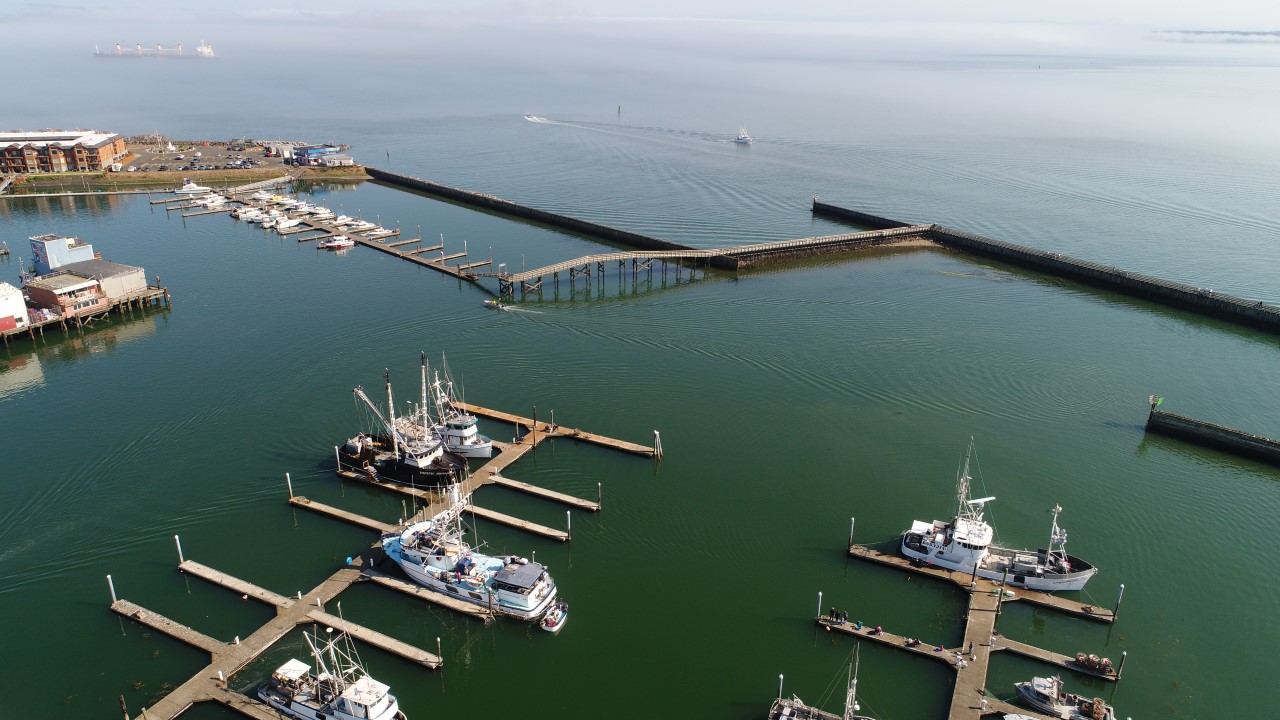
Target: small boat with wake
[[338, 688], [495, 305], [743, 138], [534, 118]]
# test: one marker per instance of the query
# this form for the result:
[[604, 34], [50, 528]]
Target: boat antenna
[[851, 696], [391, 412]]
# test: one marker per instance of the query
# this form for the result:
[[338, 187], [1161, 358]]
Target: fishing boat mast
[[851, 695], [391, 411]]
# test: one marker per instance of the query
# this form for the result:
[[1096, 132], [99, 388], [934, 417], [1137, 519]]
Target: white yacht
[[434, 553], [322, 214], [361, 226], [966, 541], [190, 188], [458, 429], [743, 138], [338, 688], [1048, 696], [343, 220], [380, 232], [285, 223], [793, 708]]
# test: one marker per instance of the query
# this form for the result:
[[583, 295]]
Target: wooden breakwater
[[857, 217], [1205, 301], [1219, 437], [502, 206]]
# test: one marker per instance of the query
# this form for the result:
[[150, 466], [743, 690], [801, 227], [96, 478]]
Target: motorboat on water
[[361, 226], [793, 708], [285, 223], [743, 138], [338, 242], [456, 427], [343, 220], [434, 553], [534, 118], [495, 304], [965, 542], [1048, 696], [379, 232], [190, 188], [555, 618], [337, 689]]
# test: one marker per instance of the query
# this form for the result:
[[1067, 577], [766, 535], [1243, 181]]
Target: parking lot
[[195, 158]]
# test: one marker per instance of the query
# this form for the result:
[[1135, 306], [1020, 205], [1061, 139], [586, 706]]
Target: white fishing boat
[[1048, 696], [743, 138], [554, 619], [338, 242], [192, 189], [407, 448], [456, 427], [434, 553], [338, 688], [966, 542], [793, 708]]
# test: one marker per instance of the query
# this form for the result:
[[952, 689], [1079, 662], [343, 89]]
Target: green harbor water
[[790, 399]]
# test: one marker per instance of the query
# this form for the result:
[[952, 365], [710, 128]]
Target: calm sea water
[[789, 398]]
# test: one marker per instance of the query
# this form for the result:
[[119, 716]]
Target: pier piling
[[1120, 596], [112, 585], [179, 544], [289, 482]]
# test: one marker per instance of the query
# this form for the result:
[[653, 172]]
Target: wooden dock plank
[[344, 515], [244, 587], [516, 522], [242, 704], [428, 595], [497, 479], [444, 257], [1053, 658], [430, 248], [558, 430], [478, 263], [173, 629], [377, 639], [398, 243], [884, 637], [971, 674]]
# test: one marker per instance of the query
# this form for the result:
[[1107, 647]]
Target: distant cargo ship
[[203, 50]]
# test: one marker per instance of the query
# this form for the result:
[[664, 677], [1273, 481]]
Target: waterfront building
[[53, 251], [13, 308], [50, 151], [67, 294], [115, 280], [336, 160], [312, 154]]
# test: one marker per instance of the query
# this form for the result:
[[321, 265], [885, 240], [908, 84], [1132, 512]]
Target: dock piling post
[[337, 458], [112, 585], [438, 653], [535, 426], [779, 686], [851, 521], [568, 524], [235, 642], [1116, 612], [819, 604], [973, 578], [1003, 584], [657, 445], [178, 542], [289, 482], [599, 496], [221, 679], [1120, 670]]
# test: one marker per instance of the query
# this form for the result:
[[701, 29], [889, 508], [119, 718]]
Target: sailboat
[[793, 708], [435, 554], [414, 448], [965, 542], [338, 688], [458, 429]]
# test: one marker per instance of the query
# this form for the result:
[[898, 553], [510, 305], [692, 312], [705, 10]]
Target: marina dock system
[[210, 684], [970, 699], [1214, 436], [1255, 313]]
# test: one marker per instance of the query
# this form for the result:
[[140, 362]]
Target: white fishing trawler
[[434, 553], [965, 542], [414, 449], [456, 427], [1048, 696], [743, 138], [337, 689], [793, 708]]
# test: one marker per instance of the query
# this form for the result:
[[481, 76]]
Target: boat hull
[[478, 595], [994, 564]]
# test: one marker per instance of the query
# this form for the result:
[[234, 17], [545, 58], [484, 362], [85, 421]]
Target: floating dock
[[970, 699], [1219, 437]]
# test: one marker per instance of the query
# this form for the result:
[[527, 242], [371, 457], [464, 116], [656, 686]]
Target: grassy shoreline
[[94, 181]]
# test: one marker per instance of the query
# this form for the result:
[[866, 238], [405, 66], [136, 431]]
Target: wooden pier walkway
[[423, 593], [173, 629], [558, 430], [233, 583], [377, 639], [346, 516], [515, 522], [577, 502]]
